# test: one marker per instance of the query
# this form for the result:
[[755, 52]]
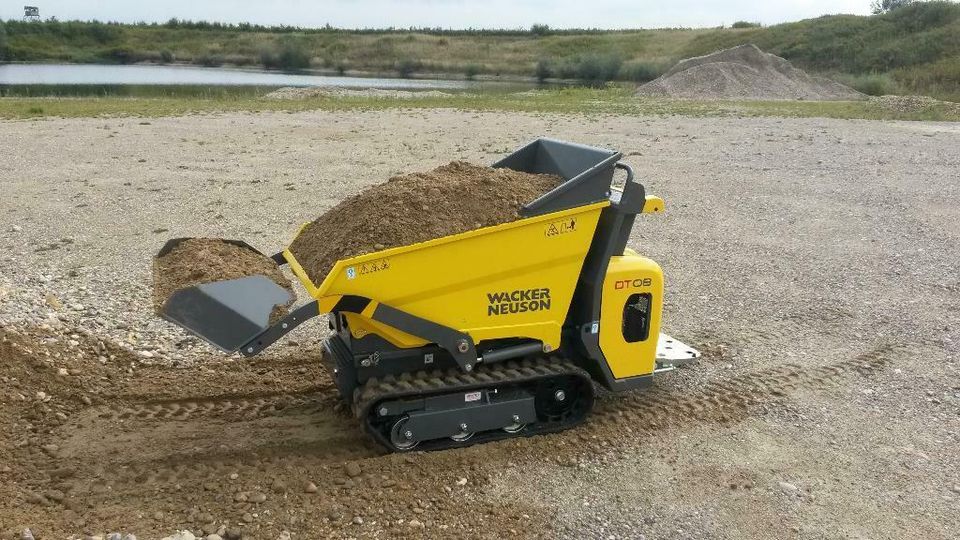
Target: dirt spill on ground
[[93, 441], [416, 207]]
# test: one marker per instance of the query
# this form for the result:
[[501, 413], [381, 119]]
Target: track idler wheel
[[400, 438], [561, 398]]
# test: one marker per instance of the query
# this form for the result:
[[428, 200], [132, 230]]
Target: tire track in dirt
[[729, 399], [241, 405], [306, 428]]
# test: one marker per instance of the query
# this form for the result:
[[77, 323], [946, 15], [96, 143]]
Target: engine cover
[[630, 311]]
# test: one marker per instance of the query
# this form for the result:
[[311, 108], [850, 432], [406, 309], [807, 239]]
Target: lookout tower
[[31, 13]]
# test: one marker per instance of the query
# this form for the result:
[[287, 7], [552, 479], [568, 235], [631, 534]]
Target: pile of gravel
[[744, 72], [913, 104]]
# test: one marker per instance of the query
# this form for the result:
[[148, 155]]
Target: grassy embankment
[[595, 102], [915, 49]]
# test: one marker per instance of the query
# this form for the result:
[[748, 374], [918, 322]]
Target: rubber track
[[420, 384]]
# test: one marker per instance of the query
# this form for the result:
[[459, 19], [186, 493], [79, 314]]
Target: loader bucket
[[229, 314], [587, 172]]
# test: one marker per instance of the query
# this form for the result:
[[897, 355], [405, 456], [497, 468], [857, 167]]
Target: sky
[[446, 13]]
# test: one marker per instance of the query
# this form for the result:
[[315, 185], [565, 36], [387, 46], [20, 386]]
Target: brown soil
[[744, 72], [416, 207], [202, 260], [114, 445]]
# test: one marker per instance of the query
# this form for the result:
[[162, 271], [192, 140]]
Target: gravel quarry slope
[[744, 72], [812, 261]]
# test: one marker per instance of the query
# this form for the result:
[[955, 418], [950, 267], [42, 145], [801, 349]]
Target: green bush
[[209, 60], [4, 43], [122, 55], [407, 66], [544, 70], [940, 79], [540, 30], [596, 68], [872, 84], [472, 70], [641, 71], [289, 56], [745, 24], [166, 57]]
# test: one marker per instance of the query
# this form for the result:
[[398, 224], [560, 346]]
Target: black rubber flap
[[587, 172], [227, 314]]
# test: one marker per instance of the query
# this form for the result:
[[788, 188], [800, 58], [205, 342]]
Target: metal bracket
[[283, 327], [460, 345], [672, 353]]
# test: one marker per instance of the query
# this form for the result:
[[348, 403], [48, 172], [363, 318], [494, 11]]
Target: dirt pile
[[92, 441], [294, 93], [913, 104], [203, 260], [450, 199], [744, 72]]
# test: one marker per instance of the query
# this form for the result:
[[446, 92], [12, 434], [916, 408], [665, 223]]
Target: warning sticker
[[557, 228], [472, 396]]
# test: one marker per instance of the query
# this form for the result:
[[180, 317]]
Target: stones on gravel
[[35, 498], [181, 535], [352, 469], [310, 487], [26, 534], [257, 498], [788, 488]]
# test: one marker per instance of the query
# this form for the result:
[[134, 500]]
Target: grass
[[617, 100], [917, 47]]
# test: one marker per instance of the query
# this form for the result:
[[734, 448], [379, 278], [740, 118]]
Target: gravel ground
[[796, 251]]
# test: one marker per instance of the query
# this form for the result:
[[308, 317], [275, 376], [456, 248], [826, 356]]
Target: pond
[[95, 74]]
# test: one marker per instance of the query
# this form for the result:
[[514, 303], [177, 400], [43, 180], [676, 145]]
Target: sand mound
[[412, 208], [744, 72], [202, 260], [294, 93]]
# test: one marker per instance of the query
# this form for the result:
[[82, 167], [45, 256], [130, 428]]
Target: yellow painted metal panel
[[628, 275], [511, 280]]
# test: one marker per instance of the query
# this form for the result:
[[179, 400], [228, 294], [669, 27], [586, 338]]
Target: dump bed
[[516, 279]]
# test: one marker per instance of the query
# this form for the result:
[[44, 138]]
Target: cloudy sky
[[447, 13]]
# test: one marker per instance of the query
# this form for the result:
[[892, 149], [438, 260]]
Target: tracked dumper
[[496, 332]]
